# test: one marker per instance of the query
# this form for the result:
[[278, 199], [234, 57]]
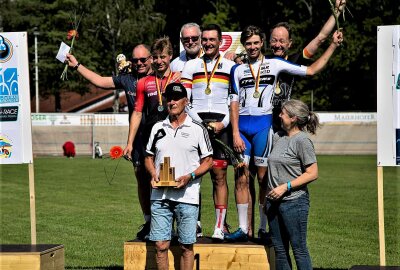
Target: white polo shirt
[[186, 146]]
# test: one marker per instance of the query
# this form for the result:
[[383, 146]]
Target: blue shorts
[[256, 132], [162, 213]]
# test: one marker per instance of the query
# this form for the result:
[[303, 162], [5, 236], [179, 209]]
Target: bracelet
[[76, 66], [193, 175], [289, 186]]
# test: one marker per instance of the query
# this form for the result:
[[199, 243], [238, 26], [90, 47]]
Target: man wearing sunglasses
[[141, 63], [150, 102], [190, 38], [188, 146]]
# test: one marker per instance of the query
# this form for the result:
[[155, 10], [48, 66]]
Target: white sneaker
[[218, 234]]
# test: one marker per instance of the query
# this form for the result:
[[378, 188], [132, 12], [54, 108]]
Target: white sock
[[242, 213], [220, 213], [263, 217]]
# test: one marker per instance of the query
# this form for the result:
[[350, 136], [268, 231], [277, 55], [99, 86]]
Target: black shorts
[[138, 151], [225, 135]]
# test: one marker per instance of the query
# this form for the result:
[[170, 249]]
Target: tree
[[108, 28], [222, 16]]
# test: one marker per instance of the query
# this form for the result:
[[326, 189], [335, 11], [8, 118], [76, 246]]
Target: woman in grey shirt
[[292, 164]]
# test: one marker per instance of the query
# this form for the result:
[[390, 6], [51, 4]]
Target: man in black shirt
[[141, 66], [280, 42]]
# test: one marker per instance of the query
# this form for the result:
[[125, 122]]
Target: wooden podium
[[34, 257], [167, 174], [208, 255]]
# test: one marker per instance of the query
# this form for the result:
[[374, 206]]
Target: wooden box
[[32, 257], [208, 255]]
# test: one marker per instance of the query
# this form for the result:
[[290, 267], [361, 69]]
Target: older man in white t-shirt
[[186, 142]]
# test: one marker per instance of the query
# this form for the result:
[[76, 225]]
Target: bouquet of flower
[[235, 157], [72, 35]]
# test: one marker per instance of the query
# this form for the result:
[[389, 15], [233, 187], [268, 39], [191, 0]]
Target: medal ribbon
[[163, 88], [257, 80], [212, 72]]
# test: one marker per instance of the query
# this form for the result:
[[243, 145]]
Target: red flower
[[72, 33], [116, 152]]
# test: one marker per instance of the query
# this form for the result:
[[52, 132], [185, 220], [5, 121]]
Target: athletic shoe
[[144, 231], [265, 237], [199, 231], [237, 236], [218, 235]]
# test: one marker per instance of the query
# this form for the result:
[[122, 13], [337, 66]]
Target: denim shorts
[[162, 213]]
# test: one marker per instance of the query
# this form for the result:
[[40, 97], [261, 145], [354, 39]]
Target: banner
[[388, 95], [230, 43], [15, 118], [396, 89], [77, 119]]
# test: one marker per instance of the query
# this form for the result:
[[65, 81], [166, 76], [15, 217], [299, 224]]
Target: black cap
[[175, 90]]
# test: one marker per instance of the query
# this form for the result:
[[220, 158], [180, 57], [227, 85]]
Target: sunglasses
[[142, 59], [187, 39]]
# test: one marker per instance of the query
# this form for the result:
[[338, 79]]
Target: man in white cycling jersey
[[207, 81], [251, 115]]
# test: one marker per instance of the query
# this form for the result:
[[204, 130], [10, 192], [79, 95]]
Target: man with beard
[[190, 38]]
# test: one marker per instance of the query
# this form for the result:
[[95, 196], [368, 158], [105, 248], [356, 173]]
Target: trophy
[[167, 174]]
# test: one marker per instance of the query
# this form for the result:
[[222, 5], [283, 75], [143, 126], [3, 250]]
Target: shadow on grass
[[112, 267]]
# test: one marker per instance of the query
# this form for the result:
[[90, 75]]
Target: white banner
[[388, 95], [230, 43], [396, 89], [329, 117], [15, 121]]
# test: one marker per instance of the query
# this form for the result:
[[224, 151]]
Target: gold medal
[[256, 94], [209, 77]]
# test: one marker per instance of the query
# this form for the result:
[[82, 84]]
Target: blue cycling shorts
[[256, 132]]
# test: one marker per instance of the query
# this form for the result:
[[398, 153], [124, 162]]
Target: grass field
[[80, 205]]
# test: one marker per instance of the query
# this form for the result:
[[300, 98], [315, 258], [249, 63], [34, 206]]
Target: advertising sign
[[15, 119], [388, 95]]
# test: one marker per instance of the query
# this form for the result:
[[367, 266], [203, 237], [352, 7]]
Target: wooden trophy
[[167, 174]]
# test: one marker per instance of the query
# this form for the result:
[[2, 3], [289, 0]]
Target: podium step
[[34, 257], [208, 255]]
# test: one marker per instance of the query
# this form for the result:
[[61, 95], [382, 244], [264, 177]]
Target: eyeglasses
[[187, 39], [142, 59]]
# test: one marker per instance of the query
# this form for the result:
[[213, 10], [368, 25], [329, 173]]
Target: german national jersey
[[243, 83], [148, 99], [194, 78]]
